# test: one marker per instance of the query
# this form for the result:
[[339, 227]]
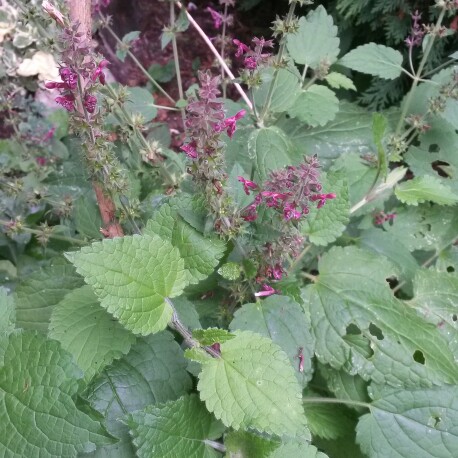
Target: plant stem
[[177, 60], [217, 55], [296, 261], [439, 67], [417, 76], [304, 74], [277, 64], [310, 82], [216, 445], [136, 61], [336, 401], [223, 49], [311, 277]]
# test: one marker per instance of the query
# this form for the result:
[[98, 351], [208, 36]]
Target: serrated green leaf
[[316, 40], [339, 81], [247, 444], [296, 449], [423, 189], [121, 49], [153, 371], [88, 332], [379, 125], [175, 429], [38, 384], [7, 312], [375, 60], [211, 336], [200, 254], [282, 320], [36, 295], [253, 385], [324, 225], [140, 102], [416, 422], [351, 299], [270, 149], [230, 271], [132, 276], [316, 106], [87, 218]]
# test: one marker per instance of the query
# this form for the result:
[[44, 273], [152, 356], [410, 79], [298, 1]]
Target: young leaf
[[376, 60], [38, 385], [253, 385], [339, 81], [88, 332], [132, 276], [324, 225], [379, 125], [211, 336], [352, 299], [423, 189], [200, 254], [316, 106], [290, 449], [175, 429], [416, 422], [121, 49], [153, 371], [282, 320], [316, 40]]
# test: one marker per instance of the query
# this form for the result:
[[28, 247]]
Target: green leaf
[[132, 276], [247, 444], [375, 60], [200, 254], [316, 106], [316, 40], [324, 225], [87, 218], [7, 312], [339, 81], [423, 189], [417, 422], [230, 271], [253, 385], [379, 125], [351, 303], [59, 120], [211, 336], [140, 102], [270, 149], [121, 49], [282, 320], [88, 332], [296, 449], [36, 295], [153, 371], [163, 73], [175, 429], [38, 384]]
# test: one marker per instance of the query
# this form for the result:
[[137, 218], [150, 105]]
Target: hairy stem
[[223, 50]]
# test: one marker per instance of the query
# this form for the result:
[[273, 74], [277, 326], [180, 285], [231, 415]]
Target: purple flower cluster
[[417, 32], [255, 56], [218, 18]]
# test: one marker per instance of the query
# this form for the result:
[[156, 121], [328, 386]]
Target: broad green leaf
[[282, 320], [140, 102], [200, 254], [36, 295], [253, 385], [87, 218], [38, 385], [175, 429], [270, 149], [316, 40], [211, 336], [375, 60], [339, 81], [132, 276], [59, 120], [415, 422], [324, 225], [316, 106], [297, 449], [379, 125], [153, 371], [187, 312], [88, 332], [351, 303], [285, 91], [247, 444], [423, 189], [7, 312]]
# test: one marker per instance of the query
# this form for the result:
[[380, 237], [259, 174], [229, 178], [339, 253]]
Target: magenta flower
[[266, 291], [217, 18], [190, 150], [290, 212], [67, 101], [250, 63], [49, 134], [230, 124], [98, 73], [275, 272], [90, 103], [274, 199], [241, 48], [69, 77], [322, 198], [247, 185], [41, 161], [250, 213]]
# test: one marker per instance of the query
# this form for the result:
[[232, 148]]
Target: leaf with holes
[[88, 332], [38, 386], [175, 429], [361, 327], [132, 277], [425, 189], [282, 320], [253, 385], [417, 422]]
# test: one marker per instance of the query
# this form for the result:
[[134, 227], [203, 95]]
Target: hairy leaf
[[132, 276], [253, 385], [339, 81], [175, 429], [211, 336], [7, 312]]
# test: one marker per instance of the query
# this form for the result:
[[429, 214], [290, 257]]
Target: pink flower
[[217, 18], [230, 124], [90, 103], [69, 77], [322, 198], [247, 185], [275, 272], [41, 161], [274, 198], [56, 85], [67, 101], [190, 150], [98, 73], [266, 291], [290, 212], [241, 48], [49, 134], [250, 63], [250, 213]]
